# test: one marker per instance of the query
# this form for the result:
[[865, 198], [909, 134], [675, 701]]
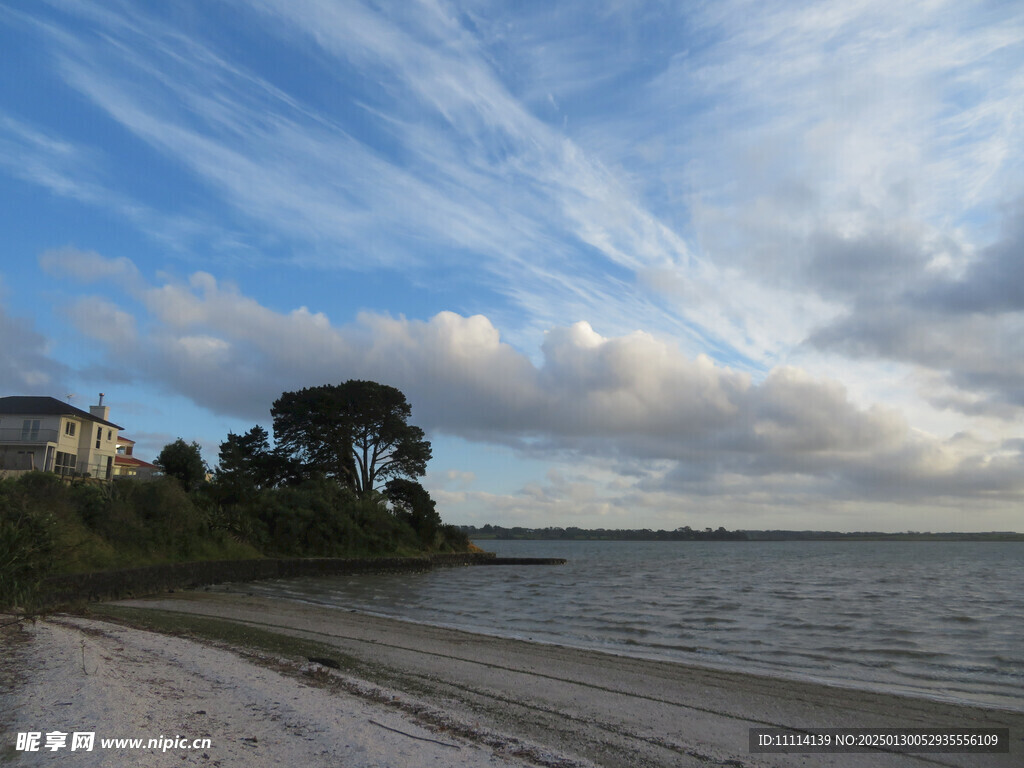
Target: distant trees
[[601, 534], [183, 461], [357, 433]]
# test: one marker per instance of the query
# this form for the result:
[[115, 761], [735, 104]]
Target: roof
[[46, 406], [131, 461]]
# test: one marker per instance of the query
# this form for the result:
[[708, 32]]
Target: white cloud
[[688, 424], [103, 321], [88, 266]]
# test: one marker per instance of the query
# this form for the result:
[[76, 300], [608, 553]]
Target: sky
[[635, 264]]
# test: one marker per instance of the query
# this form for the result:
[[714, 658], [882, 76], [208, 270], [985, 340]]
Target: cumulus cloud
[[25, 365], [102, 320], [634, 399]]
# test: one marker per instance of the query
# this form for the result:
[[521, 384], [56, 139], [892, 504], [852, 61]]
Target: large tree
[[357, 432], [183, 461]]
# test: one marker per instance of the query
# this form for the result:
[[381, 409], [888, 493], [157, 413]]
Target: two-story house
[[47, 434]]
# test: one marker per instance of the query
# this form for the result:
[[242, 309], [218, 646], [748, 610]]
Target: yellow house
[[44, 433]]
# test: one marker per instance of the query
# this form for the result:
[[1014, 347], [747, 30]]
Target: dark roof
[[47, 406]]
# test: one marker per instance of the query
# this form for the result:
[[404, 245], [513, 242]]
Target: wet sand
[[592, 707]]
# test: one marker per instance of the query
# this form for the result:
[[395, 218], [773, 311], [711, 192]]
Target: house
[[126, 465], [44, 433]]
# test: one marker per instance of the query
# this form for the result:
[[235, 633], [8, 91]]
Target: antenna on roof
[[69, 395]]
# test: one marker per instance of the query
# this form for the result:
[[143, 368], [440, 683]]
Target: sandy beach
[[360, 690]]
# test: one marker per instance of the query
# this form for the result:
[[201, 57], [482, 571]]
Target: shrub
[[27, 543]]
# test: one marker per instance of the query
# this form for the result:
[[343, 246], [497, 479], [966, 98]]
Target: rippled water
[[939, 619]]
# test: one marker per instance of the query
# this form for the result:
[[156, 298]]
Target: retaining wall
[[150, 580]]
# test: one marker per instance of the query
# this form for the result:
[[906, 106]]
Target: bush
[[320, 518], [454, 539], [27, 543]]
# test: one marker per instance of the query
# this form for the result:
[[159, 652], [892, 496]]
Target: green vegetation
[[316, 494], [49, 527]]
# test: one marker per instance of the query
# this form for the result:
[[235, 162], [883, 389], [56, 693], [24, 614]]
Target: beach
[[363, 690]]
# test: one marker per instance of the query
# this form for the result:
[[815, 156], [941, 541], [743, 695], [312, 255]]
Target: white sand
[[83, 675]]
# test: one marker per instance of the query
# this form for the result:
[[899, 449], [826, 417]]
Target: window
[[65, 463], [110, 435], [30, 429], [69, 428], [99, 436]]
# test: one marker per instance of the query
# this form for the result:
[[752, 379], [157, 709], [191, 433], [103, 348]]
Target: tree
[[247, 461], [183, 461], [357, 433], [412, 502]]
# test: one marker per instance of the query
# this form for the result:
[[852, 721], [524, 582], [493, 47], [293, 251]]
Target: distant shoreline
[[868, 536], [499, 533]]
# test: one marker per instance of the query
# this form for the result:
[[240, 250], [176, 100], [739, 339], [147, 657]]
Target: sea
[[941, 620]]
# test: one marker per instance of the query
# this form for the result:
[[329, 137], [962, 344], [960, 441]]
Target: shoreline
[[595, 707], [881, 688]]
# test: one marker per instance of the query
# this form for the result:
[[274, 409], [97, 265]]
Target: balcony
[[28, 436]]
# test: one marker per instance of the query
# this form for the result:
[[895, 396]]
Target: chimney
[[100, 411]]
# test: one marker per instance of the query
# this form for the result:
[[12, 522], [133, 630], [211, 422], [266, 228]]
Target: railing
[[98, 470], [31, 436]]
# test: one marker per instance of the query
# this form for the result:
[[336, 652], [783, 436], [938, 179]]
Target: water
[[937, 619]]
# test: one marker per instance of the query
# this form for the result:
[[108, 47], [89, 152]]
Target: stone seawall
[[150, 580]]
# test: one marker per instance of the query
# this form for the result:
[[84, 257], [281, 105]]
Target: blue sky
[[635, 264]]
